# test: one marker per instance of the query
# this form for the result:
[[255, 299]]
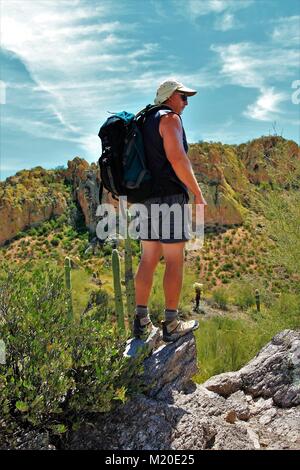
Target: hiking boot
[[142, 328], [146, 338], [174, 329]]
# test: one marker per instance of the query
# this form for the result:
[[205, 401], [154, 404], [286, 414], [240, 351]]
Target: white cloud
[[91, 145], [287, 31], [62, 120], [252, 65], [40, 129], [257, 66], [66, 43], [200, 8], [226, 22], [266, 106], [196, 8], [203, 8]]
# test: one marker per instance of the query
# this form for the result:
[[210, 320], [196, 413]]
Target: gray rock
[[274, 372], [224, 384], [32, 440], [134, 346], [170, 367], [246, 409], [239, 404], [233, 437]]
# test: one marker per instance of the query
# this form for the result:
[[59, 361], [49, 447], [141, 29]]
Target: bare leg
[[174, 257], [151, 253]]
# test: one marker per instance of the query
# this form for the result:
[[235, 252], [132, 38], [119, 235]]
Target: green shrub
[[100, 305], [61, 220], [44, 229], [243, 294], [225, 344], [220, 296], [67, 244], [227, 267], [71, 233], [107, 250], [56, 371], [32, 232], [55, 241], [20, 235]]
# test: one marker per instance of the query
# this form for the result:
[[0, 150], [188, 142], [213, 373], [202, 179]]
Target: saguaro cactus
[[129, 281], [116, 267], [68, 287], [257, 300], [198, 291]]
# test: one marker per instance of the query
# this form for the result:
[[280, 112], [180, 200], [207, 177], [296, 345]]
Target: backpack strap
[[101, 194], [151, 107]]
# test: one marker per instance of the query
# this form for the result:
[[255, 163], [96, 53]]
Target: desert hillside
[[58, 289], [228, 174]]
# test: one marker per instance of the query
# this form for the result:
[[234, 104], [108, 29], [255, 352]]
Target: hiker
[[166, 151]]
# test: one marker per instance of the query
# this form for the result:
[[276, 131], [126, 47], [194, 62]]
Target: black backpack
[[122, 164]]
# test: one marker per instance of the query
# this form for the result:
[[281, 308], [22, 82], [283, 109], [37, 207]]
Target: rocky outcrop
[[222, 178], [269, 159], [274, 373], [85, 181], [30, 214], [27, 199], [228, 174], [257, 407]]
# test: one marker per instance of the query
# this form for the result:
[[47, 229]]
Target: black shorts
[[163, 223]]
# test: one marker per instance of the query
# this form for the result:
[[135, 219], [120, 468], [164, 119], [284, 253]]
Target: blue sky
[[65, 63]]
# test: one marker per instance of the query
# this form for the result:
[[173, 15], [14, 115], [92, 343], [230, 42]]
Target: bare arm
[[170, 129]]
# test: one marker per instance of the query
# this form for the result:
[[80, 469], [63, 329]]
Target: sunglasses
[[183, 97]]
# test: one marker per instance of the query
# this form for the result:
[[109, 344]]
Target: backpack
[[122, 164]]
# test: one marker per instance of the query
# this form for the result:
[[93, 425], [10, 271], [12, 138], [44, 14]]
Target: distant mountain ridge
[[228, 175]]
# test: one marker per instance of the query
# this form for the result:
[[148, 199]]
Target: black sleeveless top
[[166, 181]]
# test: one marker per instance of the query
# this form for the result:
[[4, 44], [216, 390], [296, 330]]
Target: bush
[[55, 241], [71, 233], [44, 229], [227, 267], [243, 294], [32, 232], [100, 305], [20, 235], [220, 296], [56, 370], [225, 344], [107, 250], [67, 244]]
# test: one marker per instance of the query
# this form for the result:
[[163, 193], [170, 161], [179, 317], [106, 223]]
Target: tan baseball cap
[[168, 87]]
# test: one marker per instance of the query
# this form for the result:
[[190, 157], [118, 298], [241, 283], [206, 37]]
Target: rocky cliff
[[29, 198], [85, 182], [257, 407], [229, 174]]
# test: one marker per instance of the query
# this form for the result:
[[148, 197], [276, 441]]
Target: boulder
[[254, 408]]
